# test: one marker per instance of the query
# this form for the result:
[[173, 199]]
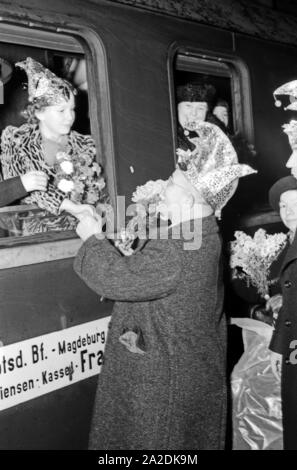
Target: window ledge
[[15, 256]]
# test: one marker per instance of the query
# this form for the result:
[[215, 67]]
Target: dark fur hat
[[195, 92]]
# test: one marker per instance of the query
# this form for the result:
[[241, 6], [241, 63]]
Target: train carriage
[[136, 53]]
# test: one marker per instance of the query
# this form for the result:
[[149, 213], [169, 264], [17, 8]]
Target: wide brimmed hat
[[213, 168], [195, 92], [43, 85], [282, 185]]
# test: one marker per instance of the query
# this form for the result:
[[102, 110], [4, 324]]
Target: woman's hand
[[34, 181], [89, 226], [276, 364]]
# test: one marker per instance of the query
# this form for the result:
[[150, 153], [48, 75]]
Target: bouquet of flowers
[[251, 258], [146, 198], [148, 195], [79, 177]]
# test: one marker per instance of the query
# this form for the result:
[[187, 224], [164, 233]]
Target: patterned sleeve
[[9, 167], [50, 200]]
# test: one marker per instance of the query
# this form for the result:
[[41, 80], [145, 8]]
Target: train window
[[23, 221], [229, 103]]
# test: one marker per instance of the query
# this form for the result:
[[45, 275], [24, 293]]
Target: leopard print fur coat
[[21, 151]]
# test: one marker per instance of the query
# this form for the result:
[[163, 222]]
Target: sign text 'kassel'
[[37, 366]]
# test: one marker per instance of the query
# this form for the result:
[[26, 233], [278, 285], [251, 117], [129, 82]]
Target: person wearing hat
[[193, 102], [220, 116], [283, 199], [163, 383], [221, 110], [34, 146]]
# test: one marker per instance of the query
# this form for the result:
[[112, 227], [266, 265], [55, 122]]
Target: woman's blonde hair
[[29, 113]]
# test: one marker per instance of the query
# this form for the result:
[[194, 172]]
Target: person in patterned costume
[[35, 145]]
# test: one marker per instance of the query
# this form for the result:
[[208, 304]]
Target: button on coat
[[287, 284]]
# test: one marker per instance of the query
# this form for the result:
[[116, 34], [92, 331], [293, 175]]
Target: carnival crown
[[44, 85], [291, 131], [290, 89], [213, 168]]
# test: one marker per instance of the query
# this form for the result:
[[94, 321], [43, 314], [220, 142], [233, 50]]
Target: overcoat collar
[[291, 254]]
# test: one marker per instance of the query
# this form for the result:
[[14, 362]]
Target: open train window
[[230, 81], [66, 56]]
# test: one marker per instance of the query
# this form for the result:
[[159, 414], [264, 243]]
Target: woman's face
[[288, 209], [178, 197], [57, 120], [190, 113], [221, 113]]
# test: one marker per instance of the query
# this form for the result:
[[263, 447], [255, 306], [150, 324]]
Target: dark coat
[[11, 190], [162, 385], [183, 140], [285, 332]]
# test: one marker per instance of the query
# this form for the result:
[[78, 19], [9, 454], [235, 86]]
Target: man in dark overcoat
[[283, 199]]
